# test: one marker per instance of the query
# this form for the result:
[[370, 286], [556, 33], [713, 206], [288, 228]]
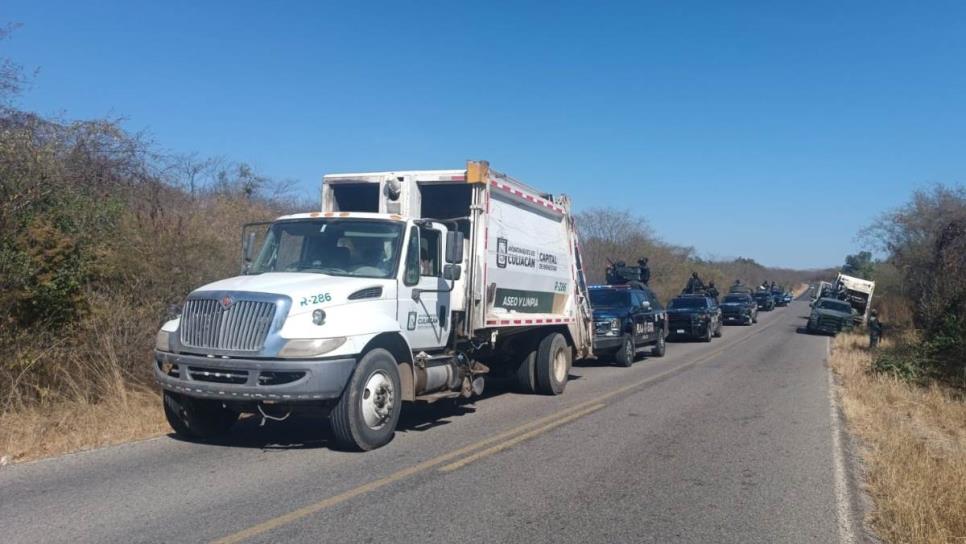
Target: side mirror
[[454, 247], [452, 272], [248, 246]]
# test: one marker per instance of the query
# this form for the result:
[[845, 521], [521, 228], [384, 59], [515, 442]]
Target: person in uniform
[[875, 329], [695, 285], [712, 291], [645, 270]]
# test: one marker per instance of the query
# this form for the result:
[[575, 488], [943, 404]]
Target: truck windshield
[[338, 247], [678, 303], [834, 305], [609, 297], [736, 298]]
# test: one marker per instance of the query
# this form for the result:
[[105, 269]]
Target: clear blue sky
[[772, 130]]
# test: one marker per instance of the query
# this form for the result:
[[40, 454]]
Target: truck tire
[[754, 319], [707, 334], [625, 355], [367, 413], [526, 373], [717, 332], [660, 348], [553, 364], [198, 419]]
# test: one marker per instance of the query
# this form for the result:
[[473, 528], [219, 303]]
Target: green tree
[[859, 265]]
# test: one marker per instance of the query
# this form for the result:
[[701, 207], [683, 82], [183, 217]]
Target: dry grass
[[913, 445], [69, 426]]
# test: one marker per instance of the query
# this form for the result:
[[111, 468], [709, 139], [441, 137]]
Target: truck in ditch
[[405, 286], [858, 293]]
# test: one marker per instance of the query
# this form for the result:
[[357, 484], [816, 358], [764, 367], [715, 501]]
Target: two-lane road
[[732, 441]]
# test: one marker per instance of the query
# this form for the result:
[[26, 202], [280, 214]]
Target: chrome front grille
[[242, 326]]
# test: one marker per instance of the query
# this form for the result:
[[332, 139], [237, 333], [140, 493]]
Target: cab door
[[640, 317], [424, 302], [657, 322]]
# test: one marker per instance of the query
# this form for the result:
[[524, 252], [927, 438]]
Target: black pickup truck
[[694, 316], [626, 320], [739, 308], [765, 300]]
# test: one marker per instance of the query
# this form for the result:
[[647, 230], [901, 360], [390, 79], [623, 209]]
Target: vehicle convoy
[[765, 300], [739, 308], [693, 316], [406, 286], [626, 320], [858, 293], [830, 315]]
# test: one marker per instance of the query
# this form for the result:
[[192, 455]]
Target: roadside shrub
[[925, 243], [904, 361]]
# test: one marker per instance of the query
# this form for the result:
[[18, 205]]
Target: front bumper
[[253, 379], [607, 343], [690, 329], [736, 317]]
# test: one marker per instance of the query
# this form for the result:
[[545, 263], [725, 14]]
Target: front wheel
[[625, 354], [367, 413], [708, 333], [553, 364], [197, 418], [660, 348], [717, 332]]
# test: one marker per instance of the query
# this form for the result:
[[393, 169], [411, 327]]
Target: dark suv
[[625, 320], [694, 316], [765, 300], [739, 308]]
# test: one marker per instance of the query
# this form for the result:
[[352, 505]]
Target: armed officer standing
[[645, 270], [712, 291], [695, 285]]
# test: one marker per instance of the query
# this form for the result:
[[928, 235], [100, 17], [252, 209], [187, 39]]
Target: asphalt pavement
[[729, 441]]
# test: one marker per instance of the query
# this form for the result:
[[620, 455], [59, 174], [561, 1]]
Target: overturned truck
[[408, 286]]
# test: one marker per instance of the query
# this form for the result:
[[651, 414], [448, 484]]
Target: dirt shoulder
[[66, 427], [912, 441]]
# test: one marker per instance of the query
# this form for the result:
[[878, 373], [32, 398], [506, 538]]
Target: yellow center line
[[519, 438], [510, 437]]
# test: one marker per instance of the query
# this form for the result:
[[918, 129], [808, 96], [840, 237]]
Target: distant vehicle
[[859, 293], [626, 319], [830, 315], [823, 289], [779, 296], [739, 308], [694, 316], [787, 297], [765, 300]]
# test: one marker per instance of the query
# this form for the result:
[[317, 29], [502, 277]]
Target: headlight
[[310, 347], [163, 341], [615, 326]]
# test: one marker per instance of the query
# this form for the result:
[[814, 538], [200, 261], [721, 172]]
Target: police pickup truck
[[627, 319], [694, 316]]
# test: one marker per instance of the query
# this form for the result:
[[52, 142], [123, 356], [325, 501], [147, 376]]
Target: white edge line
[[843, 506]]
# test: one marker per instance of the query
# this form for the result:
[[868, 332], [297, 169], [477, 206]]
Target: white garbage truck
[[405, 286], [858, 293]]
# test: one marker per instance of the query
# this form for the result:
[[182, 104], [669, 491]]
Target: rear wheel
[[553, 364], [526, 373], [197, 418], [367, 413], [660, 348], [625, 354]]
